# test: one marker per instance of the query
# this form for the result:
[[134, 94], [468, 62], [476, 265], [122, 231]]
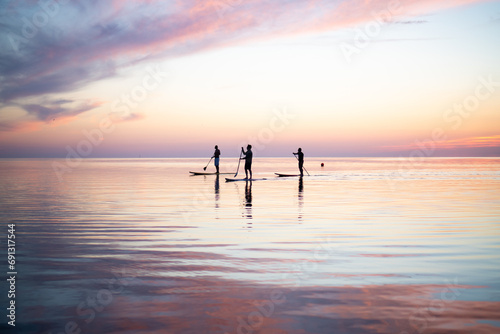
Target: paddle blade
[[238, 169], [209, 161]]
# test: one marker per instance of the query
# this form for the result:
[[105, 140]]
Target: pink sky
[[362, 78]]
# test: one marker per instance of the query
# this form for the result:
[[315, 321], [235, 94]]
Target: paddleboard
[[286, 175], [228, 179], [207, 173]]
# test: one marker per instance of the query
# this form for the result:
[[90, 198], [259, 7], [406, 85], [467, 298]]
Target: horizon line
[[272, 157]]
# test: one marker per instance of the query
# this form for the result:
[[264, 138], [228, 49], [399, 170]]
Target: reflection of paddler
[[301, 196], [248, 199], [216, 189], [248, 193]]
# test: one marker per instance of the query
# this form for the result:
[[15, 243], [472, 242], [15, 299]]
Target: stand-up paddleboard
[[207, 173], [286, 175], [228, 179]]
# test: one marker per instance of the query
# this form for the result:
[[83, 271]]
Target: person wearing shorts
[[216, 158]]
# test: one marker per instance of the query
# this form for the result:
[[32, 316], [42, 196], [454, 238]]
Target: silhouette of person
[[300, 156], [216, 156], [248, 160]]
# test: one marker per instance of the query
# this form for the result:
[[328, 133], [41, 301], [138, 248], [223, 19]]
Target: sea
[[360, 245]]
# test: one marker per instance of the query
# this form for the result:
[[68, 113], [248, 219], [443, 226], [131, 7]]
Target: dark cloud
[[50, 111], [60, 80], [62, 101]]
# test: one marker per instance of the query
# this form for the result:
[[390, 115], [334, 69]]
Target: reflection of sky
[[362, 257]]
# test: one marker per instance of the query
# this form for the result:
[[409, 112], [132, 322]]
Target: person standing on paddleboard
[[300, 156], [216, 157], [248, 160]]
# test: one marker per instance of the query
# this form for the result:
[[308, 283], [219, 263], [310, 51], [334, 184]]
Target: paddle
[[205, 168], [239, 160], [302, 165]]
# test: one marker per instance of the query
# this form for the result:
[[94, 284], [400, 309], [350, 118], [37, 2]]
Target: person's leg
[[246, 172], [301, 168], [250, 169], [217, 165]]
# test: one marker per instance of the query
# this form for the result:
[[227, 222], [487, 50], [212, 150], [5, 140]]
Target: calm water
[[361, 246]]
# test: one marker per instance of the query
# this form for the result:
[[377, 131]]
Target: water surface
[[360, 246]]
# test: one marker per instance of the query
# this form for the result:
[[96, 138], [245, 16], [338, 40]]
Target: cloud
[[51, 111], [17, 125], [411, 22], [451, 144], [68, 46], [46, 114], [117, 118]]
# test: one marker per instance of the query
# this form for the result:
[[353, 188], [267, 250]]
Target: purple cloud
[[46, 113], [54, 46]]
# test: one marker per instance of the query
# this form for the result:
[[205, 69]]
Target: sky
[[148, 78]]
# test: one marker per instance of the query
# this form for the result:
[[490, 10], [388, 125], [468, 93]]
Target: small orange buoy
[[322, 165]]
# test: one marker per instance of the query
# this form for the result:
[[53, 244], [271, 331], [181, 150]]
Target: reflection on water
[[301, 197], [248, 199], [216, 190], [139, 246]]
